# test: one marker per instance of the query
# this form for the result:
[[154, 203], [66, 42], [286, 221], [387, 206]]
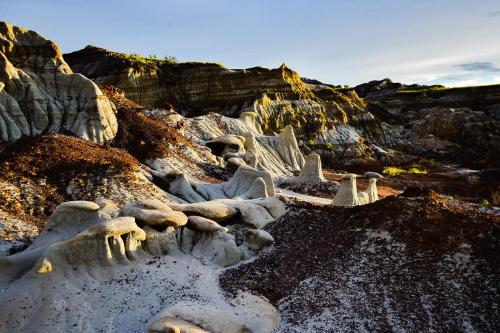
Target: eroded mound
[[402, 263]]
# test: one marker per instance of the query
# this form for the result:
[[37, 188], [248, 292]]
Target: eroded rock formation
[[278, 97], [83, 246], [40, 94]]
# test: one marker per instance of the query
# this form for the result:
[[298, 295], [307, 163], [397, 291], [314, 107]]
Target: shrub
[[395, 171]]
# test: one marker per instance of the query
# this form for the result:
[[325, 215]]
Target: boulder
[[258, 239]]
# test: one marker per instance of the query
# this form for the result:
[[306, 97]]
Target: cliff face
[[193, 88], [40, 94], [459, 124]]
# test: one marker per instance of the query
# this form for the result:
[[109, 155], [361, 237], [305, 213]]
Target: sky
[[450, 42]]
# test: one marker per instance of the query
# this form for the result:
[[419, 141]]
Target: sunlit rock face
[[193, 88], [40, 94]]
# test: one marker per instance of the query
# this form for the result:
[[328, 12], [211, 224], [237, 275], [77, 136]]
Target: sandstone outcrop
[[40, 94], [155, 82]]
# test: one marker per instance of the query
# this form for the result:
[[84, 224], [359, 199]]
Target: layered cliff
[[40, 94], [193, 88]]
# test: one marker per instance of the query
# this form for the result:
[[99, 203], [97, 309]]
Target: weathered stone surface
[[212, 210], [172, 324], [241, 185], [271, 99], [155, 216], [156, 82], [226, 143], [40, 94], [69, 219], [312, 172], [203, 224]]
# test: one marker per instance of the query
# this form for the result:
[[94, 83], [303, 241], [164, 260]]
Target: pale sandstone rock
[[68, 219], [288, 148], [172, 324], [371, 174], [153, 204], [258, 189], [216, 211], [106, 243], [226, 144], [241, 182], [247, 313], [312, 172], [258, 212], [203, 224], [348, 193], [155, 216], [94, 257]]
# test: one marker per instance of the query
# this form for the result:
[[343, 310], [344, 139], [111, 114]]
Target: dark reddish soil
[[46, 164], [330, 244]]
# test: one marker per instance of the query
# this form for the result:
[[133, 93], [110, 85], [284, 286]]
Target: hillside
[[147, 195]]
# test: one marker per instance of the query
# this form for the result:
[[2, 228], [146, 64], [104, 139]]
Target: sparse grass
[[395, 171], [149, 61]]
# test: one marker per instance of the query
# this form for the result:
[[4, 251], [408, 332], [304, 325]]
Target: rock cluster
[[86, 238], [348, 194]]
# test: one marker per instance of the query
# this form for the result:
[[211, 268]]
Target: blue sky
[[451, 42]]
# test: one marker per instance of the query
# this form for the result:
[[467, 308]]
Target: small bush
[[395, 171]]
